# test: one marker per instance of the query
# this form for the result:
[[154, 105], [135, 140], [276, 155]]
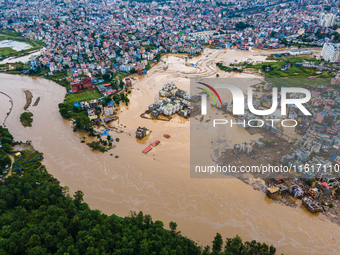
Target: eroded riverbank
[[159, 183]]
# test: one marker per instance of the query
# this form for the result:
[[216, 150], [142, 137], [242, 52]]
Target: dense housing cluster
[[174, 101]]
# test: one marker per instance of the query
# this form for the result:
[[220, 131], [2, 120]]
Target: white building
[[108, 110], [203, 34], [326, 20], [299, 52], [331, 52]]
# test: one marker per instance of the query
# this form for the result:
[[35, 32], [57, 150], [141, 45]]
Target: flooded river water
[[159, 183]]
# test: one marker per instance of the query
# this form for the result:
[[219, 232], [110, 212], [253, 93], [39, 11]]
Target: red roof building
[[155, 143], [79, 85], [147, 149]]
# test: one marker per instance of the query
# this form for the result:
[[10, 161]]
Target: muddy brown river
[[158, 183]]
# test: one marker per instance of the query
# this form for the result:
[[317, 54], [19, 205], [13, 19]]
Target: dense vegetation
[[26, 119], [241, 25], [6, 139], [69, 111], [294, 72], [297, 72], [5, 142], [38, 216], [36, 101], [228, 69], [81, 120], [4, 160]]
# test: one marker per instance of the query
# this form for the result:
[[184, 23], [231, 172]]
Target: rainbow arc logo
[[209, 93]]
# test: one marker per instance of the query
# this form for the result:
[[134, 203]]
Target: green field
[[83, 96], [9, 35], [28, 154], [7, 51], [299, 74]]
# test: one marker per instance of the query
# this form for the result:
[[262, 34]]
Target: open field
[[83, 96], [7, 51], [28, 154], [299, 73]]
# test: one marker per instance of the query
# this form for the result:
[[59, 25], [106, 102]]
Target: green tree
[[5, 161], [206, 250], [6, 147], [78, 197], [37, 216], [217, 243], [173, 226], [106, 77]]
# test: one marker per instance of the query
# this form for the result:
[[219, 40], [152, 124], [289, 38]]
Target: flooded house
[[147, 149], [296, 191], [155, 143], [312, 205], [128, 82], [142, 132], [274, 191]]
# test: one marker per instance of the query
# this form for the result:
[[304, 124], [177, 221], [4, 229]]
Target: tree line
[[38, 216]]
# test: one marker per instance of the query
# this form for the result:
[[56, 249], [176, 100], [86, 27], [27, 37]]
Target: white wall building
[[331, 52], [203, 34], [299, 52], [108, 110], [326, 20]]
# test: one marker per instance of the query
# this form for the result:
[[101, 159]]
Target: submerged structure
[[142, 132]]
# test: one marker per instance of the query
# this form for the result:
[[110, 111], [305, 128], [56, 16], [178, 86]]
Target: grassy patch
[[13, 72], [7, 51], [26, 119], [120, 75], [83, 96], [210, 46], [28, 154], [301, 74], [9, 35], [36, 101]]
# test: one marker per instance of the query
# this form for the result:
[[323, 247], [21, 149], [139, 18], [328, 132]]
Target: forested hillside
[[38, 216]]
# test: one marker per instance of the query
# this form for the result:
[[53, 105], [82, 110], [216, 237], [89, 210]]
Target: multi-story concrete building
[[331, 52], [203, 34], [108, 110], [326, 20]]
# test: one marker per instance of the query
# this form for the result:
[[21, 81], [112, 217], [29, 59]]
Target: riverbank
[[159, 183], [39, 193]]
